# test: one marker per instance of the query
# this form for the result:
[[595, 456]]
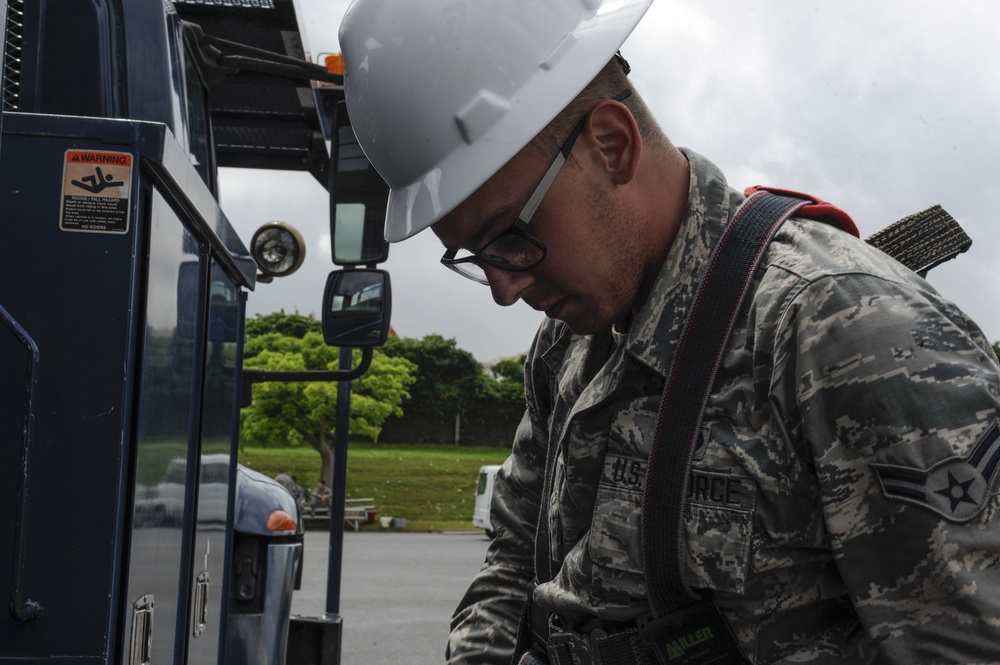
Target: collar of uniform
[[653, 334]]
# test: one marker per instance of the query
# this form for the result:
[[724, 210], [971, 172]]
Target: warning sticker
[[95, 192]]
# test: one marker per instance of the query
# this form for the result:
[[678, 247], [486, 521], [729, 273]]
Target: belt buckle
[[568, 648]]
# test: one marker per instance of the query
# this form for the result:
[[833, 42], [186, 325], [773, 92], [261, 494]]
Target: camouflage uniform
[[842, 496]]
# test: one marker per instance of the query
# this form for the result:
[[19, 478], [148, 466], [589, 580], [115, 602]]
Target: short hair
[[610, 81]]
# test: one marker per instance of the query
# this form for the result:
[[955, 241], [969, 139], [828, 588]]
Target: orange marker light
[[280, 521], [335, 63]]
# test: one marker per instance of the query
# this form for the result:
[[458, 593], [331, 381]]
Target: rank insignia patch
[[956, 488]]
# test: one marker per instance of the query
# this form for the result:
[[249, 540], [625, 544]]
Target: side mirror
[[358, 200], [356, 308]]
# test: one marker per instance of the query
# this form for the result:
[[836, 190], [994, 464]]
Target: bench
[[356, 511], [318, 511]]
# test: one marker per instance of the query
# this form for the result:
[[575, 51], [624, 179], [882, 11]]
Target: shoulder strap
[[920, 241], [702, 342]]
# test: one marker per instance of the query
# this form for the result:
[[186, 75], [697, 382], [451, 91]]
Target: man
[[297, 493], [286, 481], [321, 498], [842, 499]]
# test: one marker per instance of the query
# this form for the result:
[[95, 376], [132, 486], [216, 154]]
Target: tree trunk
[[326, 455]]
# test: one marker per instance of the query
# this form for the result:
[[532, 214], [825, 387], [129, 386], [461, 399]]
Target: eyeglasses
[[514, 249]]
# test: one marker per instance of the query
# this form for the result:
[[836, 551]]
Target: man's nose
[[506, 285]]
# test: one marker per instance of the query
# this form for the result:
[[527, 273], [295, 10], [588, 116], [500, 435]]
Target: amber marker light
[[334, 63], [280, 521]]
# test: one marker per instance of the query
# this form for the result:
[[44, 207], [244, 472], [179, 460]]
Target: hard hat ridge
[[443, 93]]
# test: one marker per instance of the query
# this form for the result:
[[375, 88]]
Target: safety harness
[[684, 625]]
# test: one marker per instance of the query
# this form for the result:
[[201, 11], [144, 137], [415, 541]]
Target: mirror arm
[[221, 58], [252, 376]]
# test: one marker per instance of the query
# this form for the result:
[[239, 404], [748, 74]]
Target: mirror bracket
[[252, 376]]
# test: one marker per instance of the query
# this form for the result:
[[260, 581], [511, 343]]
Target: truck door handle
[[23, 608], [142, 631]]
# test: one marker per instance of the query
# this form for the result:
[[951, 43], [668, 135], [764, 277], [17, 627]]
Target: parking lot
[[398, 591]]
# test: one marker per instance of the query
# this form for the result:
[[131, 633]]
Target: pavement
[[398, 591]]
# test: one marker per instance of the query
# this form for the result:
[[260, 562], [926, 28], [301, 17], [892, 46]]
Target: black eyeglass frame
[[519, 228]]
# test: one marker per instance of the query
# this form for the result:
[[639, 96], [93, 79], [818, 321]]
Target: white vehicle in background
[[484, 498]]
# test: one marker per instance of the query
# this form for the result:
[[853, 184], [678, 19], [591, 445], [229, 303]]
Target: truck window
[[198, 126]]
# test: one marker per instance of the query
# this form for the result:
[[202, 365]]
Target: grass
[[433, 487]]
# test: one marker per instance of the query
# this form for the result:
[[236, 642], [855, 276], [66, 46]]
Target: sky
[[882, 108]]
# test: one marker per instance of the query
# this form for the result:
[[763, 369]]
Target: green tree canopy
[[510, 369], [292, 325], [454, 398], [508, 380], [292, 414], [448, 377]]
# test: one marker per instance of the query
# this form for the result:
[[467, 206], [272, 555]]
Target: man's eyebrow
[[487, 228]]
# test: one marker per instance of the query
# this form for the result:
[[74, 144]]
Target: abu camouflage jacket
[[843, 500]]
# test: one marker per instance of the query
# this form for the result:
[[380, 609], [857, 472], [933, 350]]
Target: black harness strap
[[702, 343]]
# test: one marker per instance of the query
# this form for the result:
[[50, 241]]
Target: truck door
[[108, 413]]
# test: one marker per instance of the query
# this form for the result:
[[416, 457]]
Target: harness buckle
[[697, 634], [568, 648]]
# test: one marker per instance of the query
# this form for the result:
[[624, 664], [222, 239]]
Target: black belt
[[698, 634]]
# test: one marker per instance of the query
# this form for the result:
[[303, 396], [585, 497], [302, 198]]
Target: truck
[[484, 499], [132, 535]]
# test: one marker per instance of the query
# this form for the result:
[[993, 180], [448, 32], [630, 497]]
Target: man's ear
[[612, 130]]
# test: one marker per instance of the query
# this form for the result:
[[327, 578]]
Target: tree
[[380, 393], [510, 369], [509, 377], [292, 414], [996, 349], [291, 325], [448, 376], [454, 398]]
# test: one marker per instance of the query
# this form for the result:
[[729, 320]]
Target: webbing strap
[[922, 240], [624, 649], [696, 360]]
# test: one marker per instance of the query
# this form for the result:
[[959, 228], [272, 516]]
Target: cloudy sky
[[882, 107]]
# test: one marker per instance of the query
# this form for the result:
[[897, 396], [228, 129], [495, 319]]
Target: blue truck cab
[[130, 533]]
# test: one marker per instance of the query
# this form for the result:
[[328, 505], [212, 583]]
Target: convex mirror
[[357, 304]]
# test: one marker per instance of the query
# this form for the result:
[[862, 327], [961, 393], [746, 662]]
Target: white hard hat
[[442, 93]]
